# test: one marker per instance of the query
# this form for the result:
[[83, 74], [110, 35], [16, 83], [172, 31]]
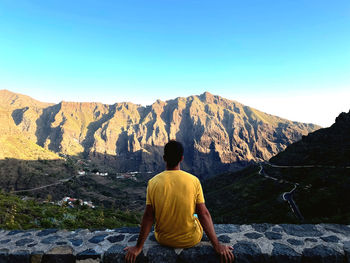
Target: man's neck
[[177, 167]]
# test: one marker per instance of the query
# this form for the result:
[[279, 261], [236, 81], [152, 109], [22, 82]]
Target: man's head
[[173, 153]]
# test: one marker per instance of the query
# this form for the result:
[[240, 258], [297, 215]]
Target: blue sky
[[287, 58]]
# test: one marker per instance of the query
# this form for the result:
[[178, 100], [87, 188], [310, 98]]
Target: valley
[[254, 167]]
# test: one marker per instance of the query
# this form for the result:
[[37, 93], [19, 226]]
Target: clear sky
[[290, 58]]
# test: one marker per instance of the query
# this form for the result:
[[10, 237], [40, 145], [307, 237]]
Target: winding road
[[45, 186], [287, 196]]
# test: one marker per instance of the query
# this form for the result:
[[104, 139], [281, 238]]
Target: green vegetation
[[12, 146], [323, 194], [16, 213], [246, 197], [16, 174]]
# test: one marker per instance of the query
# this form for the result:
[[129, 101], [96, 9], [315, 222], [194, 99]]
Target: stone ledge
[[252, 243]]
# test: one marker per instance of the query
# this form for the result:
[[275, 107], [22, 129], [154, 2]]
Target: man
[[173, 197]]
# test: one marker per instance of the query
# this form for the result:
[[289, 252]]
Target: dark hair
[[173, 152]]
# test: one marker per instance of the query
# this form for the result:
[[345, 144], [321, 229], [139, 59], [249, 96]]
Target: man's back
[[173, 195], [172, 198]]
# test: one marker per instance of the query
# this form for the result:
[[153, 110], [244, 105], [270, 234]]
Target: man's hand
[[225, 253], [132, 253], [146, 225], [204, 217]]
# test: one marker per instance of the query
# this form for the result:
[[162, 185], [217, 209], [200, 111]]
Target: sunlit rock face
[[218, 134]]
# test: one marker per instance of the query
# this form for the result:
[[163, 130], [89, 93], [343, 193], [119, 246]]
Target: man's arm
[[208, 226], [146, 225]]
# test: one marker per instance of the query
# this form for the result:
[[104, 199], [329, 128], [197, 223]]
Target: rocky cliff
[[218, 134]]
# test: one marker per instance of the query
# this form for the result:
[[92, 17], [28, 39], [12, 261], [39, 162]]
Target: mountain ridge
[[327, 146], [314, 172], [218, 133]]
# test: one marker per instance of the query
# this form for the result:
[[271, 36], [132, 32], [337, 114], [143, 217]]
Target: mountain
[[12, 139], [320, 166], [218, 134], [329, 146]]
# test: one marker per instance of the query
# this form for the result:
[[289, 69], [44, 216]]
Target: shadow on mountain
[[45, 131], [94, 126], [17, 115]]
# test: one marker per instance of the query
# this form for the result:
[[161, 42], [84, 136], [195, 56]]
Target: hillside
[[319, 164], [329, 146], [13, 143], [219, 134], [29, 214]]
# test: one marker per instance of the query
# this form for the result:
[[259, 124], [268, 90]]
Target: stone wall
[[252, 243]]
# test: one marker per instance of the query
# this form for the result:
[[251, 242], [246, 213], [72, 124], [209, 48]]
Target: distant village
[[85, 170], [72, 202]]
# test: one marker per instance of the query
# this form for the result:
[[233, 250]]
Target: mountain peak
[[207, 97], [12, 99], [218, 133]]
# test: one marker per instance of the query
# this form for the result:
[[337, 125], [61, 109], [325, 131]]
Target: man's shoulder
[[168, 173], [156, 178], [189, 175]]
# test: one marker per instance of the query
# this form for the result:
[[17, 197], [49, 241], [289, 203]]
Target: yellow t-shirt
[[173, 195]]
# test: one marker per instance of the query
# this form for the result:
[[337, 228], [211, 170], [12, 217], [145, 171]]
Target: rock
[[301, 230], [114, 239], [71, 236], [330, 239], [36, 257], [76, 242], [285, 254], [5, 241], [22, 256], [223, 228], [62, 250], [32, 245], [273, 235], [133, 238], [347, 251], [46, 232], [23, 241], [314, 240], [50, 240], [161, 254], [4, 250], [26, 235], [129, 230], [199, 254], [14, 232], [340, 229], [295, 242], [261, 227], [116, 254], [247, 252], [277, 229], [97, 239], [59, 254], [253, 235], [321, 254], [224, 239], [88, 254]]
